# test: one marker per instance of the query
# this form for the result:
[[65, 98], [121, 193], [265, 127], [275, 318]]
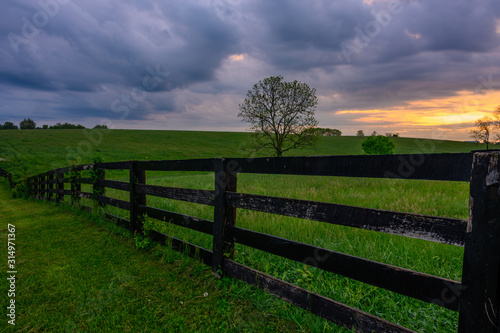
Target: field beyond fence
[[475, 298]]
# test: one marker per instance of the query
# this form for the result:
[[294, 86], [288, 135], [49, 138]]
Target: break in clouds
[[188, 64]]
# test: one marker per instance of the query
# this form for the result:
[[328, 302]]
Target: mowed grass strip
[[75, 275]]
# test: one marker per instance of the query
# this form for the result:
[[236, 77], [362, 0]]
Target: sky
[[417, 68]]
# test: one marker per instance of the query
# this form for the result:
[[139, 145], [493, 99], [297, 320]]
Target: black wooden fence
[[476, 298]]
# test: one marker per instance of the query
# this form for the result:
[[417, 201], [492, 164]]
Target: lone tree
[[378, 145], [483, 131], [360, 133], [27, 124], [281, 114]]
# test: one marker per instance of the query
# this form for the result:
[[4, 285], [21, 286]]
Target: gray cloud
[[73, 60]]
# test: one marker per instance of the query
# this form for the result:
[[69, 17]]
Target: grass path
[[78, 276]]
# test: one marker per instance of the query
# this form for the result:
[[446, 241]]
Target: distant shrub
[[100, 127], [378, 145]]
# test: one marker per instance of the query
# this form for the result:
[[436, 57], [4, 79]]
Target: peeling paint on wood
[[437, 229]]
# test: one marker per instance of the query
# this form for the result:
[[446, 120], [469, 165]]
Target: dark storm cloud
[[112, 42]]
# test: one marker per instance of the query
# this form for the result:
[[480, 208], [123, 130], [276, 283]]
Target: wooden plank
[[418, 285], [114, 184], [114, 202], [84, 180], [197, 196], [480, 301], [83, 167], [437, 229], [182, 220], [62, 170], [61, 192], [113, 165], [85, 195], [452, 167], [177, 165], [334, 311], [193, 251]]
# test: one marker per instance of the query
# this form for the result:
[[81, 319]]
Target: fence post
[[38, 187], [136, 177], [29, 183], [76, 187], [225, 180], [479, 302], [60, 186], [98, 189], [11, 182], [43, 179], [50, 186]]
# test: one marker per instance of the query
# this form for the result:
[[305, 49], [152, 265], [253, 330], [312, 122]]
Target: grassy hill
[[29, 152]]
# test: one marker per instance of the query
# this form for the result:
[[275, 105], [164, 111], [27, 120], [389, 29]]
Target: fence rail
[[476, 298]]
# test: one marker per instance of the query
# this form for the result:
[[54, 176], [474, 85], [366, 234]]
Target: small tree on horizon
[[360, 133], [27, 124], [378, 145], [281, 115], [483, 130]]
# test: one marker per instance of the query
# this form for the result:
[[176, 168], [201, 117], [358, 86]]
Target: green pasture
[[31, 152]]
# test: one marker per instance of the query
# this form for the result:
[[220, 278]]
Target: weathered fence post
[[50, 186], [479, 302], [38, 187], [136, 219], [225, 181], [98, 189], [41, 179], [60, 186], [76, 186], [11, 182]]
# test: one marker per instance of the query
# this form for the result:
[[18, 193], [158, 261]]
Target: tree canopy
[[66, 126], [378, 145], [281, 114], [9, 126], [27, 124]]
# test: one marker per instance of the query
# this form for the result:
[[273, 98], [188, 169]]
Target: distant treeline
[[328, 131], [30, 124]]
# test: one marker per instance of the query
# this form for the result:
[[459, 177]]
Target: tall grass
[[438, 198]]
